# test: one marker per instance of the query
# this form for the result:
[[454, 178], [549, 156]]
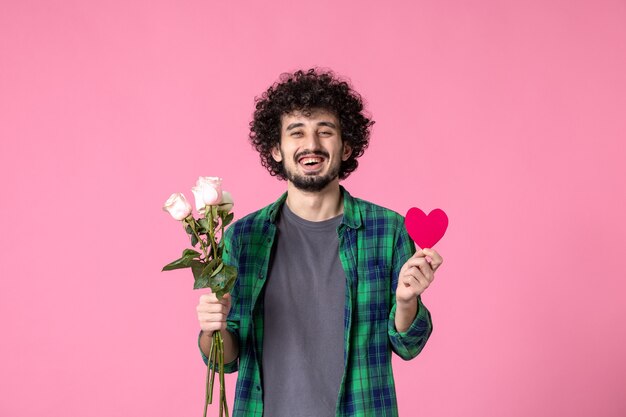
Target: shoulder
[[371, 212], [251, 223], [382, 228]]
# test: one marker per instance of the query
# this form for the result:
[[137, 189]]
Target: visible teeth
[[310, 161]]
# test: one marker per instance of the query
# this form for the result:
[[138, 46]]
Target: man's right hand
[[212, 312]]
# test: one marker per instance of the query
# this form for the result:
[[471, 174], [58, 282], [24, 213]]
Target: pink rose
[[207, 192], [227, 202], [178, 206]]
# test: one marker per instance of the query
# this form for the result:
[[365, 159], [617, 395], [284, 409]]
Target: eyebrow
[[327, 124], [300, 124], [294, 125]]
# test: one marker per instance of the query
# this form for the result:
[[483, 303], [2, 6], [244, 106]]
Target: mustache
[[318, 152]]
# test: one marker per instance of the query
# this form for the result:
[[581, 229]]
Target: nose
[[312, 141]]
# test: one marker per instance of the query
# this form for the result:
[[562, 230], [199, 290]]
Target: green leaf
[[200, 280], [190, 253], [177, 264], [196, 267], [209, 267], [194, 240], [203, 226], [228, 219], [224, 281], [183, 262], [218, 269]]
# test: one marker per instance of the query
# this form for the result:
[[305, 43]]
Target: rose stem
[[215, 363], [222, 382], [221, 371], [208, 373], [192, 224], [209, 215]]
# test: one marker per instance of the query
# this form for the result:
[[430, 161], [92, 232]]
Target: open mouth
[[311, 163]]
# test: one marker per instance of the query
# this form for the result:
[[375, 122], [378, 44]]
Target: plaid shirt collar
[[351, 211]]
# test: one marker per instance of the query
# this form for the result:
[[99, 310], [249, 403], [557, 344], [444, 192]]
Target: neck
[[315, 206]]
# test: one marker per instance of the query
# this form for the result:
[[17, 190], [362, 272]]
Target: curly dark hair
[[305, 91]]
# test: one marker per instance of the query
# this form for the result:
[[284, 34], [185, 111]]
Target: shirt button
[[347, 229], [258, 388], [260, 275]]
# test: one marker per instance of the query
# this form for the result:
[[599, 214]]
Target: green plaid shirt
[[373, 246]]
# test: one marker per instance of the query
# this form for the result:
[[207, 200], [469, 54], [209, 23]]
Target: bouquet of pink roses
[[209, 271]]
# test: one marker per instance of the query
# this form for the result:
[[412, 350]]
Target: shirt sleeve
[[232, 322], [407, 344]]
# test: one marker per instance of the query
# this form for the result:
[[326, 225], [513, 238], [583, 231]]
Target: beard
[[313, 182]]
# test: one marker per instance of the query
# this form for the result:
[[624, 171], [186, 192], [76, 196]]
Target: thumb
[[227, 299]]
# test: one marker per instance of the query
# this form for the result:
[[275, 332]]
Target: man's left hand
[[417, 274]]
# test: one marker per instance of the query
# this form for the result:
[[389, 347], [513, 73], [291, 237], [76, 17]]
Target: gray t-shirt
[[303, 342]]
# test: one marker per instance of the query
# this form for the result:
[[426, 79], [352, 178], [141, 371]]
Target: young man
[[328, 285]]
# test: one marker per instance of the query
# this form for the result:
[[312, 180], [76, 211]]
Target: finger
[[417, 285], [212, 326], [225, 300], [211, 317], [408, 276], [419, 276], [427, 270], [208, 298], [212, 308], [415, 262], [212, 299], [425, 253], [436, 259], [413, 275], [406, 279], [420, 282]]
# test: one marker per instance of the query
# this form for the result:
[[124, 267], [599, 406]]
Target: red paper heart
[[426, 230]]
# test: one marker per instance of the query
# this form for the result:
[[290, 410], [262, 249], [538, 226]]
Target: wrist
[[407, 304], [406, 311]]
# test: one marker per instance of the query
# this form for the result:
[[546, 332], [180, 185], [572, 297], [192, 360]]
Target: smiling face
[[311, 149]]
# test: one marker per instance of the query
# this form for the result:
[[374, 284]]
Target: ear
[[347, 151], [276, 153]]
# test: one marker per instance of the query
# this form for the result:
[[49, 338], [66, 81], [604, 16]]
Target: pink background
[[508, 115]]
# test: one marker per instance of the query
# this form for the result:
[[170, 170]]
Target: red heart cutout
[[426, 230]]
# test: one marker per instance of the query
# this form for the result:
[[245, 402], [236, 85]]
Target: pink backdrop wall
[[509, 115]]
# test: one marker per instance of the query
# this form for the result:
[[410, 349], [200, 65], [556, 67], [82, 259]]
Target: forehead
[[312, 116]]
